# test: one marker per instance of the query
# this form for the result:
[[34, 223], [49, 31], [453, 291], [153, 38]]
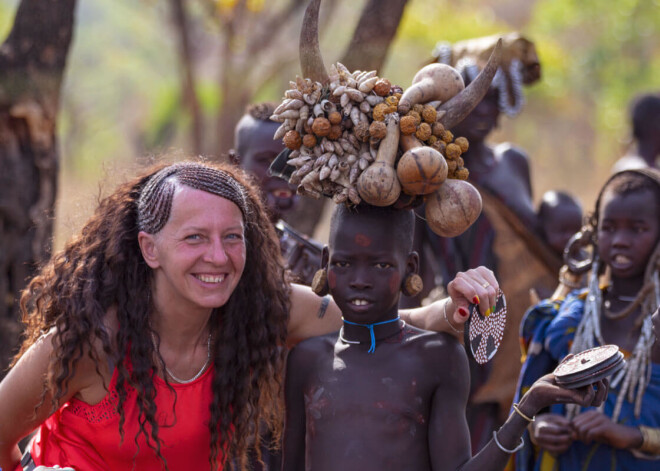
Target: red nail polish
[[462, 311], [475, 300]]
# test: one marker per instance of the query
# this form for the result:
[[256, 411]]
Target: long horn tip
[[311, 61]]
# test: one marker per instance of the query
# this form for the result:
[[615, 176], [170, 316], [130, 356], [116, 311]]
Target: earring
[[320, 282], [412, 285]]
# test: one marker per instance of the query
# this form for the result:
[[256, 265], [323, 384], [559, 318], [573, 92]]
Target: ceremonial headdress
[[518, 66]]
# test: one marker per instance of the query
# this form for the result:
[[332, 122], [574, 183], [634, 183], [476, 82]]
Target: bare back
[[359, 411]]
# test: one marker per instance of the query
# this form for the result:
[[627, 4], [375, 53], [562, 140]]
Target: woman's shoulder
[[93, 371]]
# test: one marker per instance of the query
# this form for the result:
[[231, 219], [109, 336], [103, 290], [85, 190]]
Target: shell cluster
[[334, 130], [421, 121]]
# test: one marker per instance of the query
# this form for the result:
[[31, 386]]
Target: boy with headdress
[[379, 394]]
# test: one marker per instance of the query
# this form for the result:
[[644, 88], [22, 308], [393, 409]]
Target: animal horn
[[311, 61], [458, 107]]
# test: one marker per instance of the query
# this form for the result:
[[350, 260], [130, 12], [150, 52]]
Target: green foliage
[[121, 60], [608, 53], [7, 13]]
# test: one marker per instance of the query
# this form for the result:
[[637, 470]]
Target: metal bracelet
[[506, 450]]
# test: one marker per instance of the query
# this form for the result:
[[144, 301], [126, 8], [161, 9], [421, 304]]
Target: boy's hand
[[475, 286], [545, 391]]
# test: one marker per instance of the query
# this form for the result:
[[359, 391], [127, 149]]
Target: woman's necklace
[[199, 373]]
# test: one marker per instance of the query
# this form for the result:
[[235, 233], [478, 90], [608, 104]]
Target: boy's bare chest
[[391, 391]]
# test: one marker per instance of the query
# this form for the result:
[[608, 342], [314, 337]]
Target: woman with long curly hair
[[156, 338]]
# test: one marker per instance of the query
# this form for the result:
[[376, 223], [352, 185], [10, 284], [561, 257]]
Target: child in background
[[560, 216], [626, 433], [382, 395]]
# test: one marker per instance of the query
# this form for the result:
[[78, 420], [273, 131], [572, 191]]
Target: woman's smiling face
[[199, 255]]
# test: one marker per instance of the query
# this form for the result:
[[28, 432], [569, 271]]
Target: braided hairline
[[155, 202]]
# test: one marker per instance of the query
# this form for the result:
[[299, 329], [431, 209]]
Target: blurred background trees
[[32, 62], [146, 79]]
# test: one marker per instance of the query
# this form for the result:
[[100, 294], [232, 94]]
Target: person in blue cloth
[[624, 434]]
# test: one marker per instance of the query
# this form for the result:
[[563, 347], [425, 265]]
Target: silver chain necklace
[[199, 373]]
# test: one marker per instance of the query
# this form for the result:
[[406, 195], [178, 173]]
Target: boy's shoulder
[[432, 343], [315, 345]]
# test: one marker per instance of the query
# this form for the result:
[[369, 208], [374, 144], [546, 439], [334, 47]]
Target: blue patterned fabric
[[559, 334], [537, 361]]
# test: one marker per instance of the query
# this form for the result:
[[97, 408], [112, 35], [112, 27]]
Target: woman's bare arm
[[20, 395]]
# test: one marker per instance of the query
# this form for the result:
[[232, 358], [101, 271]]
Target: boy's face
[[559, 225], [628, 231], [366, 267]]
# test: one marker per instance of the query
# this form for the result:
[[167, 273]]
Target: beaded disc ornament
[[589, 366], [484, 333]]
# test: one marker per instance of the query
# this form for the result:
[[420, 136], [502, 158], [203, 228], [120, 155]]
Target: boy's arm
[[293, 448], [451, 451]]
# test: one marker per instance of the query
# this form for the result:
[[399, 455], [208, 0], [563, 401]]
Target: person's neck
[[354, 331], [180, 330], [479, 158], [628, 287], [649, 152], [478, 151]]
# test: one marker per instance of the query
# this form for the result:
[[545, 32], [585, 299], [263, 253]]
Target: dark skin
[[257, 149], [391, 409], [628, 231], [645, 119], [655, 353], [559, 219], [502, 169]]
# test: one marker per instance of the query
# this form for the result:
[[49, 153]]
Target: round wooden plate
[[589, 366]]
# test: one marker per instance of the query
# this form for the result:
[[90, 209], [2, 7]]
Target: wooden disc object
[[484, 333], [589, 366]]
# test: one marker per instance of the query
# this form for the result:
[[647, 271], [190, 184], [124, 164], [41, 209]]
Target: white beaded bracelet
[[505, 450]]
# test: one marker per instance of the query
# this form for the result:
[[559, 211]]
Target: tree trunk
[[373, 34], [32, 61], [188, 81]]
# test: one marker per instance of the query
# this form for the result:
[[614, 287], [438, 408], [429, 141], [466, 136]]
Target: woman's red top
[[87, 437]]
